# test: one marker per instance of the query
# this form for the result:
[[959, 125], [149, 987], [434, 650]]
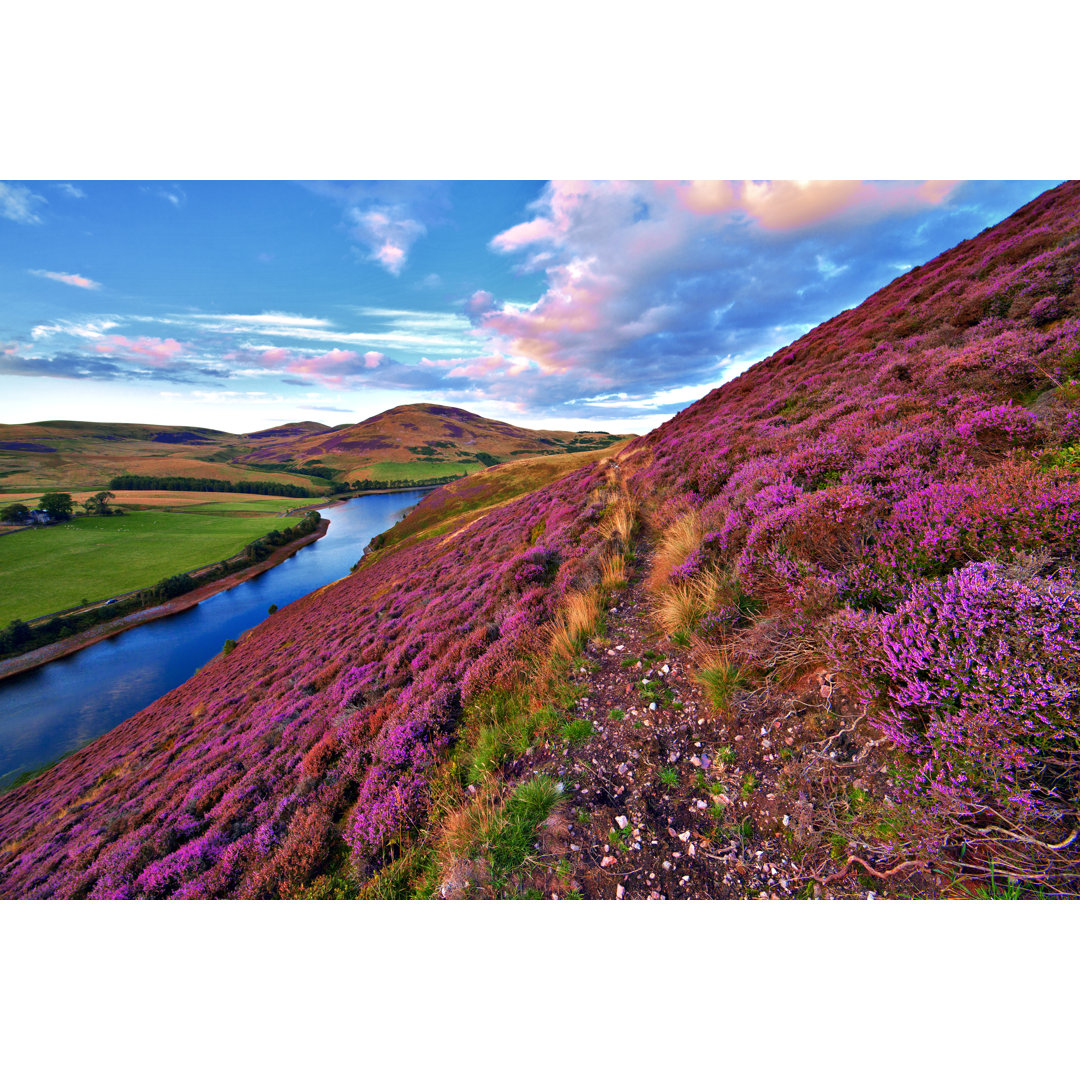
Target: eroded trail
[[668, 798]]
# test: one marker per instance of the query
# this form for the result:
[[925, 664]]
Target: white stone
[[621, 821]]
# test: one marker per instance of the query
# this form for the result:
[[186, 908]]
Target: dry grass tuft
[[717, 674], [677, 543], [679, 608], [613, 571], [578, 617], [621, 521]]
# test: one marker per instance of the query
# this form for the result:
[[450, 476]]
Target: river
[[55, 709]]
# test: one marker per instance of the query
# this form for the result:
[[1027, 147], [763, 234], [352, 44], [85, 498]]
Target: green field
[[250, 507], [419, 470], [94, 558]]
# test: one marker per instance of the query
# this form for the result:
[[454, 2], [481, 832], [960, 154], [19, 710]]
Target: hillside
[[410, 443], [817, 635], [420, 440], [70, 455]]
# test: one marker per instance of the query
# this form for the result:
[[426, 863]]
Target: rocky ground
[[671, 798]]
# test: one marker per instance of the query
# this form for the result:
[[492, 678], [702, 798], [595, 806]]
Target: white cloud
[[70, 190], [17, 204], [92, 328]]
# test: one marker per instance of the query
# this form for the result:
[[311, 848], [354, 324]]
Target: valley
[[817, 635]]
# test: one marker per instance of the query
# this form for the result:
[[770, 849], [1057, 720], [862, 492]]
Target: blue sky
[[611, 305]]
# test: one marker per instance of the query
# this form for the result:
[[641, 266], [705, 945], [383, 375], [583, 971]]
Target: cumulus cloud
[[17, 203], [387, 233], [386, 218], [77, 280], [657, 288]]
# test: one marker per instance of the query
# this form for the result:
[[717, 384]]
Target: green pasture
[[248, 507], [94, 558], [419, 470]]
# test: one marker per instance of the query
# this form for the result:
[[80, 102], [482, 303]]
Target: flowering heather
[[980, 675], [903, 477]]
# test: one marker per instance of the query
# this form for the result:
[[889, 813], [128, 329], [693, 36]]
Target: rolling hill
[[818, 635], [411, 443], [437, 438]]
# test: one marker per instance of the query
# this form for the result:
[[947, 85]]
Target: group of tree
[[383, 485], [58, 505], [99, 504], [131, 482]]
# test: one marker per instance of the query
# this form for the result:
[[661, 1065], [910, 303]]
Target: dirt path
[[670, 798], [28, 661]]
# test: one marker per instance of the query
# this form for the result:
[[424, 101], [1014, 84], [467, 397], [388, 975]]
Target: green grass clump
[[510, 842], [500, 726], [719, 681], [578, 731], [669, 777], [616, 714]]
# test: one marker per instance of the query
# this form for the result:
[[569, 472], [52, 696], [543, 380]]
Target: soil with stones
[[671, 798]]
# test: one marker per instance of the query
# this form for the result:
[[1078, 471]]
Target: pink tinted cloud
[[157, 352], [615, 254], [77, 280], [794, 204], [480, 367], [332, 368], [387, 232], [480, 303]]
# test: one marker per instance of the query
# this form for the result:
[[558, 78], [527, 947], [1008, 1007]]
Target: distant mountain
[[410, 443], [439, 438]]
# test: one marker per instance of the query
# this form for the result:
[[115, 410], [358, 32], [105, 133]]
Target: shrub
[[978, 680]]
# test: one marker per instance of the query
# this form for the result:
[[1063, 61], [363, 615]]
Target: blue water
[[52, 710]]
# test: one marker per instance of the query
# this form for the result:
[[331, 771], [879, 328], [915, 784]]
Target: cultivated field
[[94, 558]]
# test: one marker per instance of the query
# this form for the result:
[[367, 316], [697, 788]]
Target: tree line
[[132, 482]]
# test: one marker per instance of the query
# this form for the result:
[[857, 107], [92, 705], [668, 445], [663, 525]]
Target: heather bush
[[977, 679]]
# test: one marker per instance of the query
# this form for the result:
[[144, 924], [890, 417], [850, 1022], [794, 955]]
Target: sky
[[598, 305]]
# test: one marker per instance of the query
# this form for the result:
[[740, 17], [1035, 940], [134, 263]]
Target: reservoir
[[61, 706]]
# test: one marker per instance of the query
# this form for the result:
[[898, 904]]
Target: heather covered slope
[[853, 567]]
